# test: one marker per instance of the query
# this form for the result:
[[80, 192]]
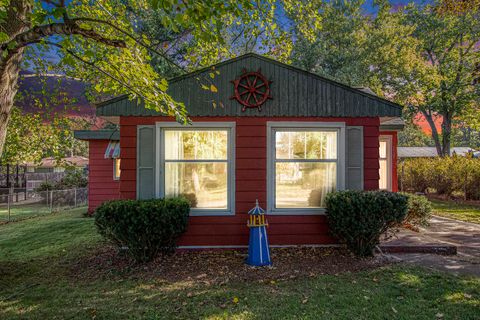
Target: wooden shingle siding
[[295, 93], [250, 183], [101, 186]]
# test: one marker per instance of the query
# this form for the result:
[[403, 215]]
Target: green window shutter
[[354, 161], [145, 162]]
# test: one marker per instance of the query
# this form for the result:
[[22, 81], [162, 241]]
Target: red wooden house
[[272, 132]]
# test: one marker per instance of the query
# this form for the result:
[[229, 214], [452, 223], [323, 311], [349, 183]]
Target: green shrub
[[359, 218], [414, 174], [73, 179], [419, 210], [146, 227], [443, 175], [45, 186]]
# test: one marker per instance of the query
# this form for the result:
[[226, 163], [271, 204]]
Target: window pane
[[383, 182], [196, 145], [383, 149], [306, 145], [303, 184], [116, 169], [204, 184]]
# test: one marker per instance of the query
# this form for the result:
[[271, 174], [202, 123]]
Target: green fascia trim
[[97, 134], [392, 127]]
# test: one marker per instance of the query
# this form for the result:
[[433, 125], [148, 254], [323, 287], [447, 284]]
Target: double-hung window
[[305, 163], [197, 162]]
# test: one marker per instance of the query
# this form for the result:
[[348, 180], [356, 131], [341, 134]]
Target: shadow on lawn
[[388, 292]]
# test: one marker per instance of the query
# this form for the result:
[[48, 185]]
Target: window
[[197, 163], [116, 169], [385, 171], [304, 166]]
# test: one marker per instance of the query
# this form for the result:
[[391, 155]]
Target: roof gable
[[294, 92]]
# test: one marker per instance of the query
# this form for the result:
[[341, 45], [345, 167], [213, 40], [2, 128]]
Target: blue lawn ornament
[[258, 250]]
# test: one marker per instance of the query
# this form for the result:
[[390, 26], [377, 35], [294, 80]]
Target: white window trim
[[275, 125], [160, 160], [388, 140]]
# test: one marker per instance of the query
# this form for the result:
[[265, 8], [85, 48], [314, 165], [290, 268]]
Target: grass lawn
[[21, 212], [454, 210], [39, 280]]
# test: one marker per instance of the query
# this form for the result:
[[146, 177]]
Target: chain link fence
[[23, 205]]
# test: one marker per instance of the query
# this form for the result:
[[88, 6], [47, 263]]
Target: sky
[[396, 3]]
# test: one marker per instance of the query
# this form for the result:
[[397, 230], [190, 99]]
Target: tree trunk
[[17, 21], [446, 133], [435, 134]]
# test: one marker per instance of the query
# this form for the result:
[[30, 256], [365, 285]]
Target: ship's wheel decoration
[[251, 89]]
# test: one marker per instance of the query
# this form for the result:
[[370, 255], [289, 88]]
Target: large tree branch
[[37, 33], [126, 33], [94, 66]]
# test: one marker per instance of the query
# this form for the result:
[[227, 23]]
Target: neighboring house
[[49, 165], [311, 136], [430, 152], [49, 169]]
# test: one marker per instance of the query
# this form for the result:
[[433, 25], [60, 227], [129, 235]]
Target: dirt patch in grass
[[222, 266]]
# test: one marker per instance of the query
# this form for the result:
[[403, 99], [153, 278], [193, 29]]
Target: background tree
[[337, 47], [413, 136], [424, 57], [30, 139], [449, 45]]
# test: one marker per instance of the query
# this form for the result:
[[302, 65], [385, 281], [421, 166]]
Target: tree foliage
[[102, 42], [30, 138], [413, 136]]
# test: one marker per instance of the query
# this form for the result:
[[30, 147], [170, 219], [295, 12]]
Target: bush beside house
[[419, 210], [359, 218], [147, 228]]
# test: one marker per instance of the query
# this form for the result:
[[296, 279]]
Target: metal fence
[[23, 205]]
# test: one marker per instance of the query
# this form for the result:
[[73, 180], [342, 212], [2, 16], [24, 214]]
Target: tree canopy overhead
[[102, 42]]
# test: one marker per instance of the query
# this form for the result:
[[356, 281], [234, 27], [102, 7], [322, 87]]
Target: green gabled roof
[[294, 92], [97, 134]]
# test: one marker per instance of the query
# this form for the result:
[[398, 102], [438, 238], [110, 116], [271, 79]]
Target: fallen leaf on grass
[[235, 300]]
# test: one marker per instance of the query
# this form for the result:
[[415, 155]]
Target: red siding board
[[251, 163], [101, 186], [251, 180]]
